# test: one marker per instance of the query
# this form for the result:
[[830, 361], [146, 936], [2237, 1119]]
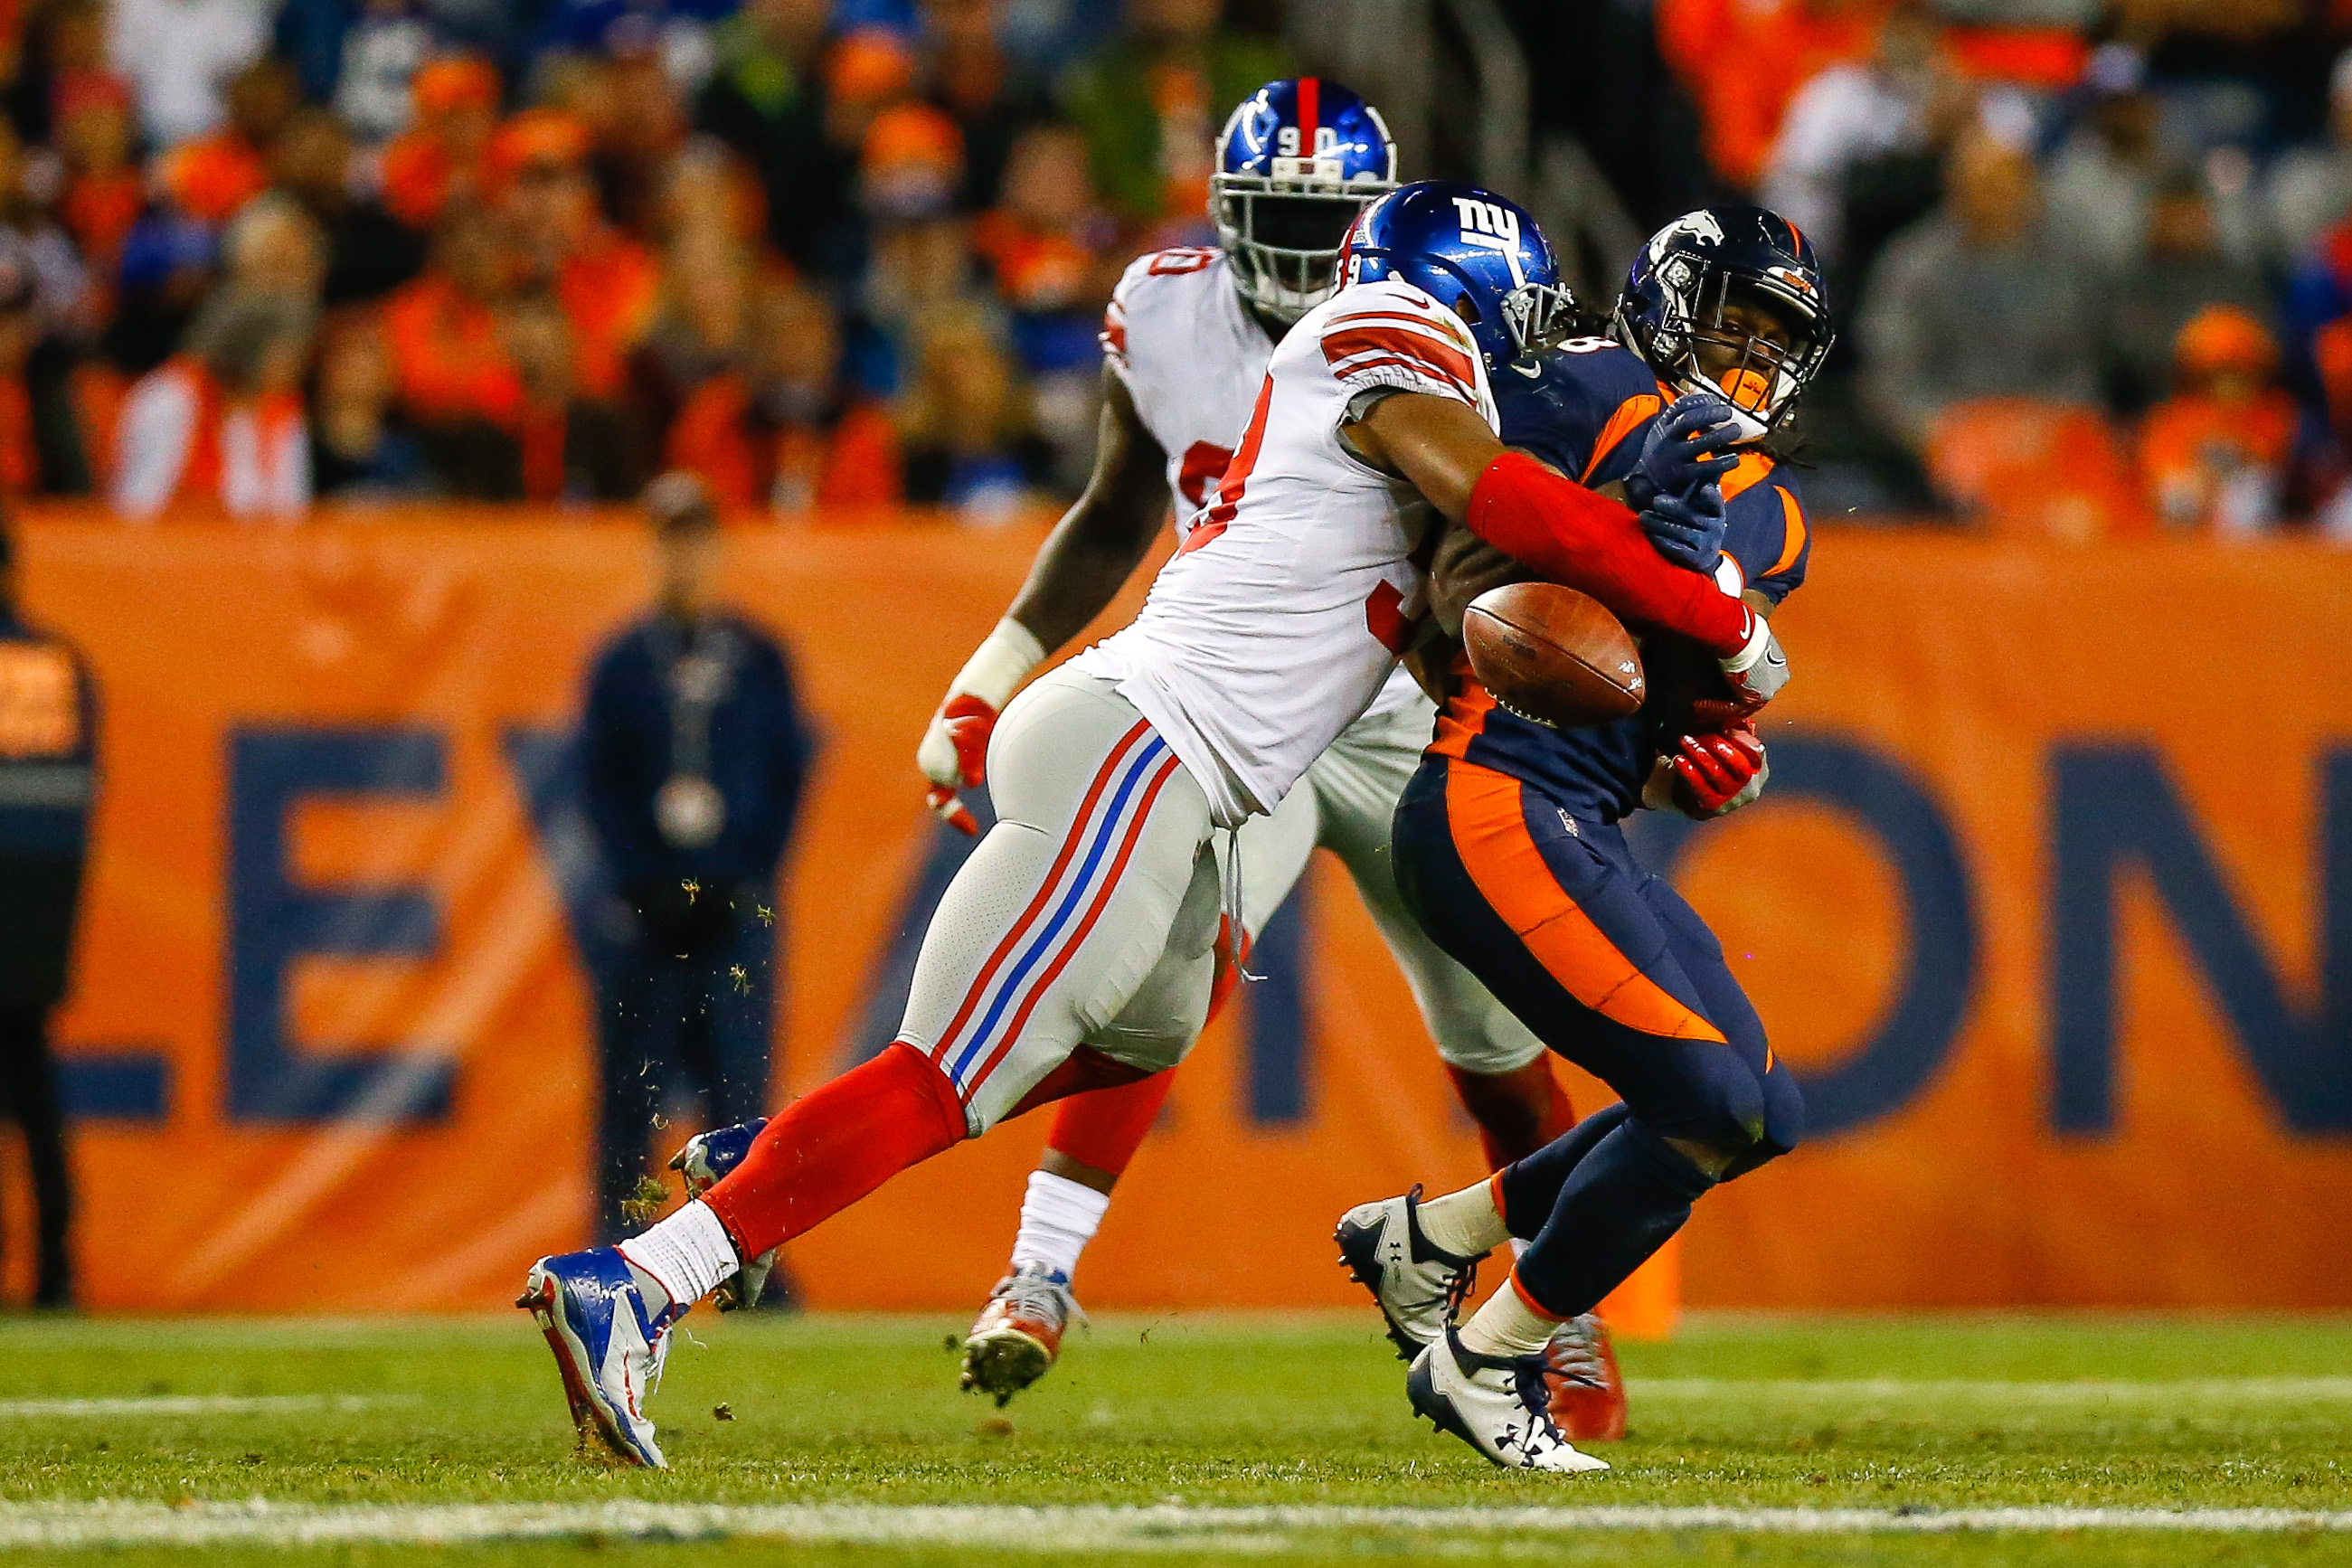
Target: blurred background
[[332, 334]]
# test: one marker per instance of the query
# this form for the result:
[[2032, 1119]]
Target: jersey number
[[1237, 479], [1183, 259], [1202, 464]]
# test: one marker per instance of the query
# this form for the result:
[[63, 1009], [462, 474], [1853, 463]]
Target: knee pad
[[1784, 1123]]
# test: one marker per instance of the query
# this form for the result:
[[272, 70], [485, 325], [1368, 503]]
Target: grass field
[[1179, 1439]]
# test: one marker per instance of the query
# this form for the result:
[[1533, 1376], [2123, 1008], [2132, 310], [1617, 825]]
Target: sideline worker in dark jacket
[[48, 740], [694, 752]]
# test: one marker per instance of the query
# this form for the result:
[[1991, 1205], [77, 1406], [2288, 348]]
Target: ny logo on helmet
[[1495, 227]]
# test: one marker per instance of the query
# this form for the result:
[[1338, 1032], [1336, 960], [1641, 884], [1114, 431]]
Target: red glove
[[1718, 769], [965, 723]]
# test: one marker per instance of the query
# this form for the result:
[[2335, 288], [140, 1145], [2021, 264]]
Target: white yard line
[[25, 1525], [194, 1404], [2047, 1393]]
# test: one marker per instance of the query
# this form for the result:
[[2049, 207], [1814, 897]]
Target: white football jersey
[[1283, 611], [1191, 356]]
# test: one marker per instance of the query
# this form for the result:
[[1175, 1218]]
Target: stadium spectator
[[210, 177], [2179, 269], [766, 101], [1976, 302], [441, 156], [357, 451], [966, 421], [779, 433], [634, 125], [40, 441], [105, 189], [558, 240], [1150, 103], [369, 251], [451, 381], [570, 445], [382, 52], [2213, 456], [219, 428], [1895, 104], [49, 752], [2310, 187], [969, 75], [694, 753], [1744, 60], [178, 53], [910, 163], [1053, 253]]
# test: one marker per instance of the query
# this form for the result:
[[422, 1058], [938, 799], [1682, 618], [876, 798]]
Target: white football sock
[[688, 1254], [1464, 1223], [1058, 1217], [1506, 1325]]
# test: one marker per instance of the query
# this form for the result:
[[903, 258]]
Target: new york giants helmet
[[1469, 249], [1298, 160], [1729, 300]]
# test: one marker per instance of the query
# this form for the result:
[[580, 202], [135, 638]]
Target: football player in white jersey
[[1185, 345], [1074, 950]]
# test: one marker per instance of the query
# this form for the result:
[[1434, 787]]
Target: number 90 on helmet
[[1476, 252], [1298, 160]]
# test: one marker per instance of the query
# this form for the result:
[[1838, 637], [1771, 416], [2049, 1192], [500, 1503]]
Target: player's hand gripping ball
[[1553, 655]]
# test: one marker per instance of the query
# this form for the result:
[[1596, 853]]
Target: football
[[1553, 655]]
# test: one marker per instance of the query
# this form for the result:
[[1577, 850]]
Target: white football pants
[[1089, 914]]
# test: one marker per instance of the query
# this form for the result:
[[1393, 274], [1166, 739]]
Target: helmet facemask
[[1283, 234], [1540, 316], [1754, 341]]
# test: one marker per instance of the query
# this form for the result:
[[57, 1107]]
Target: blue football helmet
[[1729, 300], [1471, 250], [1298, 160]]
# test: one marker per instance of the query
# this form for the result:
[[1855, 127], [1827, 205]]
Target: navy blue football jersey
[[1587, 412]]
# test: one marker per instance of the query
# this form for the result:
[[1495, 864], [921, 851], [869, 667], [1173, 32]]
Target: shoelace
[[1037, 1293], [1574, 1355]]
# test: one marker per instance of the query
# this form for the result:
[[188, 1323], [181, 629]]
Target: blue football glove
[[1682, 450], [1688, 531]]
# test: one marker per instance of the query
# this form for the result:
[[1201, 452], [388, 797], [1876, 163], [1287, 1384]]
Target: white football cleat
[[1417, 1285], [1498, 1405]]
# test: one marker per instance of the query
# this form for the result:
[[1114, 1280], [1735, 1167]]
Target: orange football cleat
[[1018, 1335], [1587, 1395]]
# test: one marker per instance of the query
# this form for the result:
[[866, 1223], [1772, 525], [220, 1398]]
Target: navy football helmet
[[1472, 251], [1729, 300], [1298, 160]]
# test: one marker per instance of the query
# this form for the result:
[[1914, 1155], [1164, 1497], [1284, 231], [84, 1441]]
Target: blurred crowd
[[826, 255], [2092, 259], [2091, 262]]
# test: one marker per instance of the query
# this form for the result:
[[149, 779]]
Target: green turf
[[1768, 1412]]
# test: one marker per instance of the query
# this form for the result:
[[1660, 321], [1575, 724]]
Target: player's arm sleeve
[[1571, 536], [1113, 335]]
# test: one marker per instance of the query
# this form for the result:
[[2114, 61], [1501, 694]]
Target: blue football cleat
[[708, 1157], [608, 1346]]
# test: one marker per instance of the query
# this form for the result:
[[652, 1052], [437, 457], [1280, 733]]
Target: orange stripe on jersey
[[1464, 718], [1490, 835], [1753, 467], [1630, 413], [1794, 516], [1421, 351]]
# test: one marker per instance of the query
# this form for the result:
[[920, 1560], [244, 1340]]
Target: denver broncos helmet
[[1298, 160], [1469, 249], [1729, 300]]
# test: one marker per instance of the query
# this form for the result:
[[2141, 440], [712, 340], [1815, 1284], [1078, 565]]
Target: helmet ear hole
[[1466, 307]]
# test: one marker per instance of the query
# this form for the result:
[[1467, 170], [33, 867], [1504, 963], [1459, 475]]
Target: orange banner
[[2051, 897]]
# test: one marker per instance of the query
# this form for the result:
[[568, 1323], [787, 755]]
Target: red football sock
[[1105, 1127], [1518, 1113], [829, 1150]]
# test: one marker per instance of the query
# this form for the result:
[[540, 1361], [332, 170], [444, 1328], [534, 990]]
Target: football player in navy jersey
[[1507, 842]]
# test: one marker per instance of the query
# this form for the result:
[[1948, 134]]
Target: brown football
[[1553, 655]]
